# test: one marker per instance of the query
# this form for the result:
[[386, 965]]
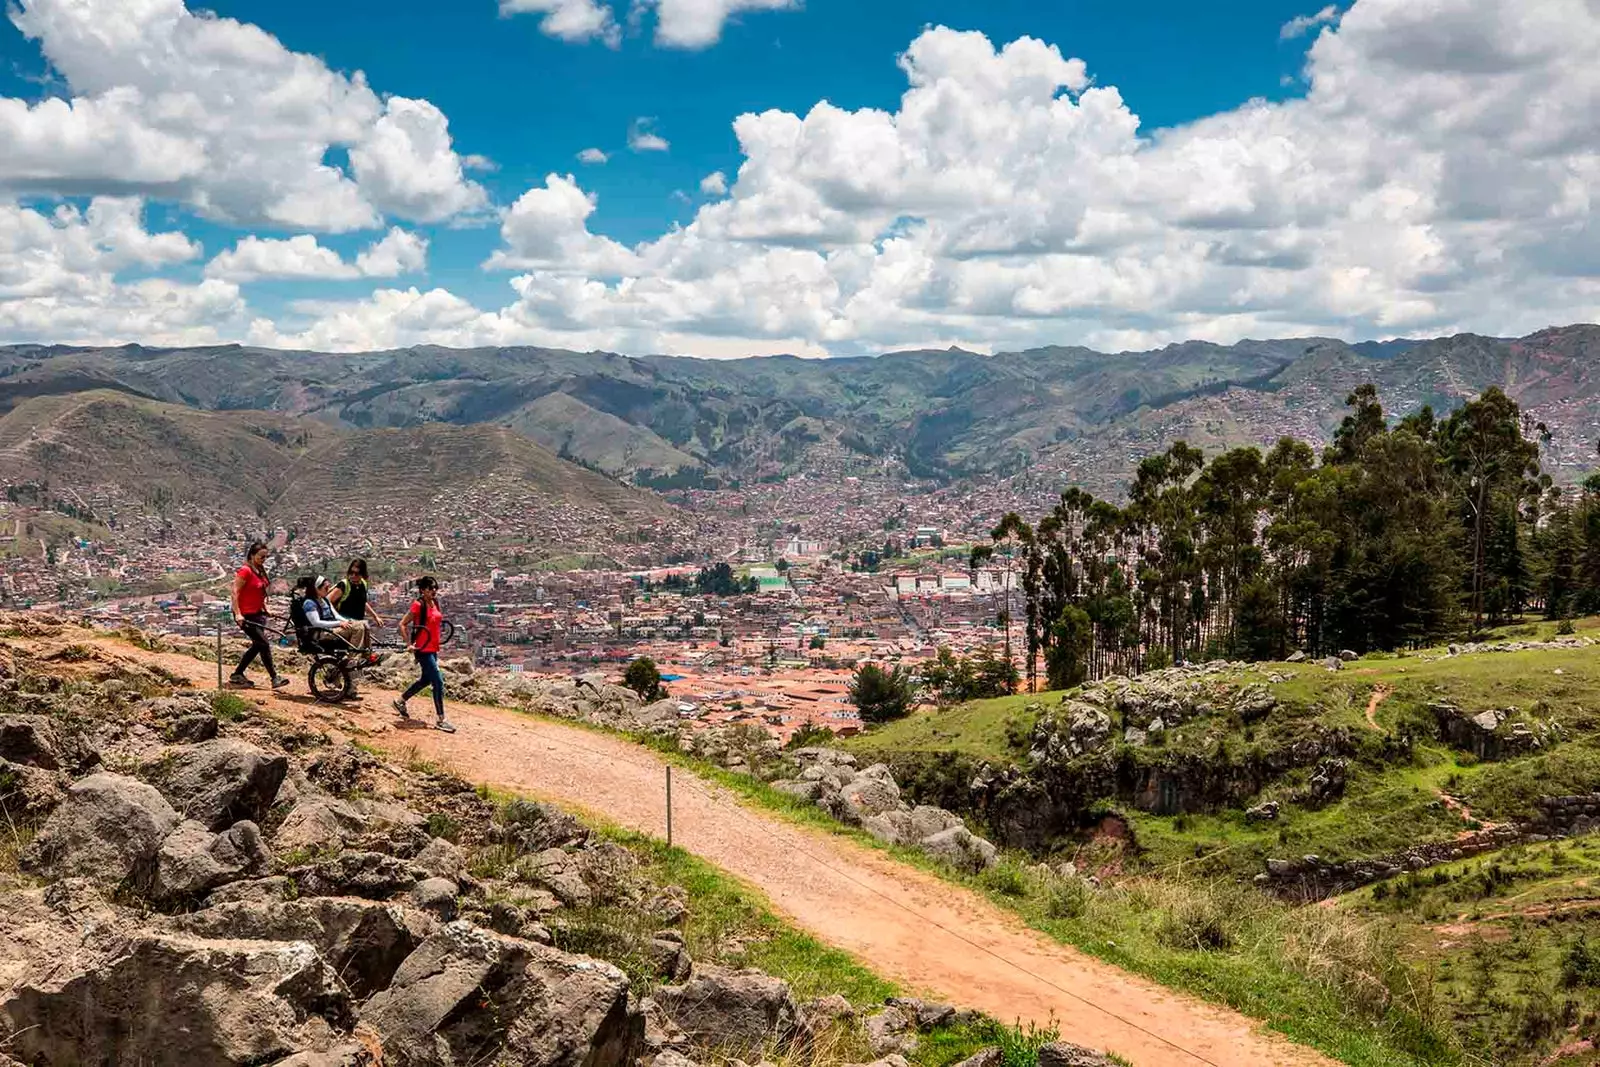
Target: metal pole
[[669, 807], [219, 657]]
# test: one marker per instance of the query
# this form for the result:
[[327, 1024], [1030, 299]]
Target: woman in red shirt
[[250, 615], [420, 630]]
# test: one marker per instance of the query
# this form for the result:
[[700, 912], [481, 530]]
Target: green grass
[[231, 707], [985, 729]]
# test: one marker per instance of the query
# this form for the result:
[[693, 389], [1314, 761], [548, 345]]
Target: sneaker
[[239, 681], [400, 707], [446, 725], [279, 683]]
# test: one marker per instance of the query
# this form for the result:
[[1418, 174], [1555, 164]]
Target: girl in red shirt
[[250, 615], [420, 630]]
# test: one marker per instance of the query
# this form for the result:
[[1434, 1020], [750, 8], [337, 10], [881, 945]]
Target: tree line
[[1397, 535]]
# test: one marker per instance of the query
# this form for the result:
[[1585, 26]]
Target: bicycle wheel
[[447, 632], [329, 680]]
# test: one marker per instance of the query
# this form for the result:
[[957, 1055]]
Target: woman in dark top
[[350, 597], [250, 615], [420, 630]]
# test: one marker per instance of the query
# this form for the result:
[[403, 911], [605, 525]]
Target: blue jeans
[[429, 664]]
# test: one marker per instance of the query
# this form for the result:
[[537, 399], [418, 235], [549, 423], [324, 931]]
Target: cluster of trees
[[718, 581], [953, 679], [1397, 535]]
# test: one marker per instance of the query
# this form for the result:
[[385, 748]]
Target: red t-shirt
[[253, 595], [425, 627]]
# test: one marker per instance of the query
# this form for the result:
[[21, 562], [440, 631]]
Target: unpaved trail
[[908, 925], [1379, 695]]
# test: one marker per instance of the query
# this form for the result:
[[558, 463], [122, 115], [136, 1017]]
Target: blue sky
[[996, 175], [531, 103]]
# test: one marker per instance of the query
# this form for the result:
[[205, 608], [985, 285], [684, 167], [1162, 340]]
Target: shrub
[[1020, 1044], [230, 707], [1006, 878], [441, 824], [1067, 899], [1197, 923]]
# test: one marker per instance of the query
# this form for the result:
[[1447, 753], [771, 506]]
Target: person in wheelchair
[[318, 627]]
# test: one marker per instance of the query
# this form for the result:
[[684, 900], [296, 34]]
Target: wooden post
[[669, 806]]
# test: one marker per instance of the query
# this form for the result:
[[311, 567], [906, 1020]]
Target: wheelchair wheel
[[447, 632], [330, 680]]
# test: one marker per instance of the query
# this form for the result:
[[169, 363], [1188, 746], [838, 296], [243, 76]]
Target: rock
[[558, 871], [441, 859], [372, 875], [804, 790], [823, 1012], [29, 794], [864, 796], [1348, 656], [1298, 657], [1267, 812], [470, 996], [364, 942], [460, 666], [671, 1058], [1062, 1054], [925, 1015], [892, 827], [192, 729], [927, 821], [732, 1009], [340, 770], [660, 1032], [1333, 663], [173, 999], [963, 850], [989, 1057], [670, 905], [109, 828], [670, 958], [349, 1055], [221, 782], [319, 822], [890, 1030], [271, 890], [31, 741], [437, 896], [193, 860]]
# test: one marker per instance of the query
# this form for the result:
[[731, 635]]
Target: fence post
[[669, 806], [219, 657]]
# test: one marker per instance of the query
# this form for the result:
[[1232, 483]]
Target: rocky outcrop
[[870, 799], [109, 828], [193, 860], [220, 782], [734, 1010], [1495, 734]]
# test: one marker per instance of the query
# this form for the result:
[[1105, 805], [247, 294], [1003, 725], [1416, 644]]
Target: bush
[[1006, 878], [644, 678], [1067, 899], [230, 707], [1198, 924], [882, 696], [1020, 1044], [808, 735]]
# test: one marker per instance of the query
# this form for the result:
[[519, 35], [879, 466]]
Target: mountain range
[[1074, 412]]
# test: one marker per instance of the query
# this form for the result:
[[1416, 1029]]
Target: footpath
[[923, 933]]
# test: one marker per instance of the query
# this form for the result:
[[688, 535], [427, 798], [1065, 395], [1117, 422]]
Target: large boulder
[[31, 741], [28, 794], [734, 1010], [318, 821], [1063, 1054], [193, 860], [372, 875], [871, 792], [363, 941], [470, 996], [220, 782], [962, 849], [109, 829], [163, 999]]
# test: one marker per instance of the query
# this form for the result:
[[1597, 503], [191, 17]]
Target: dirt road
[[913, 928]]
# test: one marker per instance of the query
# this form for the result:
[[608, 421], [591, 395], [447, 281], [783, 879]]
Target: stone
[[1333, 663], [461, 666], [220, 782], [31, 741], [437, 896], [353, 1054], [804, 790], [364, 942], [669, 906], [194, 861], [270, 890], [1267, 812], [892, 827], [372, 875], [1062, 1054], [962, 849], [671, 1058], [925, 1015], [825, 1011], [890, 1030], [866, 795], [441, 859], [558, 871], [29, 794], [670, 959], [1348, 656], [162, 998], [1297, 657], [109, 828], [732, 1009], [318, 822], [989, 1057], [467, 995], [926, 821], [192, 729]]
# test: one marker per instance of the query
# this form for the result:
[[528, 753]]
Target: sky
[[747, 177]]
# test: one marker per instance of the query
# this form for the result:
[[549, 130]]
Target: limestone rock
[[221, 782], [1062, 1054], [736, 1009], [193, 860], [109, 828], [28, 794], [962, 849], [192, 729], [437, 896], [318, 821], [357, 874], [890, 1030], [31, 741]]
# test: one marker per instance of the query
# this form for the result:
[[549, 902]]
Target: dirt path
[[908, 925], [1379, 695]]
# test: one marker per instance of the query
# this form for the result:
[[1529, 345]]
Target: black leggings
[[429, 662], [255, 628]]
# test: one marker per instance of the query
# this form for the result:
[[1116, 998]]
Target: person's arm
[[373, 614], [405, 625], [238, 588], [316, 621], [336, 596]]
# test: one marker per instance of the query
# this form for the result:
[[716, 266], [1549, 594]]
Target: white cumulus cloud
[[1301, 25], [183, 105], [643, 138], [697, 24], [714, 184], [592, 157], [305, 258], [570, 20]]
